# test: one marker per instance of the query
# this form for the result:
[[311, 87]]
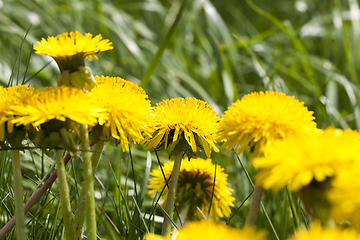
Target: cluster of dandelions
[[92, 109], [321, 166], [82, 108], [51, 116], [279, 131]]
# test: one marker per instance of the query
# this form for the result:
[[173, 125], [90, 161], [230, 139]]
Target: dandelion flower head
[[10, 98], [128, 115], [319, 233], [186, 120], [59, 103], [72, 48], [195, 187], [211, 230], [260, 117], [299, 161]]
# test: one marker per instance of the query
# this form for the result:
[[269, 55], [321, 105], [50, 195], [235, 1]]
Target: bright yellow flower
[[59, 103], [259, 118], [298, 161], [344, 196], [128, 112], [9, 98], [120, 82], [183, 122], [70, 49], [211, 230], [319, 233], [195, 187]]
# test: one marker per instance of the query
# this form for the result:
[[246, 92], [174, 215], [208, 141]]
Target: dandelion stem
[[262, 206], [18, 195], [88, 184], [64, 196], [33, 200], [254, 207], [169, 208], [81, 208]]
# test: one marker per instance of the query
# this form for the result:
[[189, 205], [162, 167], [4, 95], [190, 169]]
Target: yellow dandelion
[[58, 103], [319, 233], [260, 117], [128, 115], [195, 187], [299, 161], [70, 49], [56, 113], [211, 230], [9, 98], [120, 82], [344, 196], [182, 122]]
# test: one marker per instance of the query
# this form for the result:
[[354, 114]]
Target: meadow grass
[[216, 51]]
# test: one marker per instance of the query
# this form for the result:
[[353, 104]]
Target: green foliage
[[218, 51]]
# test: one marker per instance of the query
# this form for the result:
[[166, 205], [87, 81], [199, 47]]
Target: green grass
[[216, 51]]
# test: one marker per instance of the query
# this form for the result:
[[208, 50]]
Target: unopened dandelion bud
[[82, 78], [76, 80], [87, 77]]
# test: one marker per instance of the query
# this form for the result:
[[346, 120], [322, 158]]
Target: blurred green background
[[216, 51]]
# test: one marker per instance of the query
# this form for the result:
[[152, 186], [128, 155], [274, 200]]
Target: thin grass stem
[[293, 209]]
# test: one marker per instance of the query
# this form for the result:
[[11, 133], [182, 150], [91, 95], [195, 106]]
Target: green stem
[[170, 201], [88, 184], [81, 210], [18, 195], [262, 206], [254, 207], [64, 195], [293, 209], [33, 200]]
